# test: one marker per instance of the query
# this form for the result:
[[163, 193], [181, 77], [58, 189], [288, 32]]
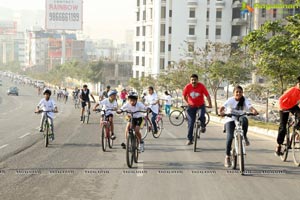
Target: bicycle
[[86, 115], [132, 151], [177, 117], [291, 141], [47, 128], [149, 126], [238, 151], [106, 130], [196, 130], [76, 102]]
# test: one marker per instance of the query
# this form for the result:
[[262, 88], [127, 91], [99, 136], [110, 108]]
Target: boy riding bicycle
[[109, 104], [84, 96], [133, 106], [47, 104]]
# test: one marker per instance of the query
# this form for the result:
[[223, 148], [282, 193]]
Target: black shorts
[[107, 116], [137, 121], [83, 103]]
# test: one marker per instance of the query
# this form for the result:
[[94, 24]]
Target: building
[[165, 29]]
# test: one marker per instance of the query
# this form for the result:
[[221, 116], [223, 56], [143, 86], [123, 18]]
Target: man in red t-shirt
[[193, 95], [289, 101]]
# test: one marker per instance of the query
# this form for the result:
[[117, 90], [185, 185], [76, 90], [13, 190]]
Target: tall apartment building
[[164, 28]]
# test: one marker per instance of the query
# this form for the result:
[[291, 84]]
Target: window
[[170, 30], [169, 47], [137, 31], [162, 46], [274, 13], [137, 60], [143, 46], [137, 16], [162, 30], [207, 15], [162, 64], [144, 30], [144, 15], [138, 2], [144, 2], [163, 12], [219, 14], [143, 61], [150, 47], [149, 13], [263, 12], [207, 32], [191, 30], [136, 74], [170, 13], [191, 47], [143, 74], [218, 33], [137, 46], [192, 12]]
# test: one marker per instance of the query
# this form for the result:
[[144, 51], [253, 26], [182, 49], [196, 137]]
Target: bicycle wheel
[[129, 151], [109, 140], [103, 138], [176, 117], [87, 117], [83, 118], [296, 148], [160, 127], [233, 159], [195, 135], [46, 135], [136, 150], [207, 118], [285, 146], [145, 128], [241, 154]]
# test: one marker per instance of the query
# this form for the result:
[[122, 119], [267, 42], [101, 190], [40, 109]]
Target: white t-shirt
[[168, 99], [108, 105], [150, 99], [47, 106], [231, 105], [138, 107]]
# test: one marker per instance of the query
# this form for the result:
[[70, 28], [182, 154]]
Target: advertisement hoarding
[[8, 27], [64, 14]]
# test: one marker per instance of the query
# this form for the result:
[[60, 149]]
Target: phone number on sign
[[63, 17]]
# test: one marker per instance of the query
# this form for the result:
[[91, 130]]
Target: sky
[[101, 18]]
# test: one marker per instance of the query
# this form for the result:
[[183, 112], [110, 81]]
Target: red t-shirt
[[289, 99], [195, 95]]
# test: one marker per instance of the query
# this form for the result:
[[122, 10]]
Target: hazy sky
[[101, 18]]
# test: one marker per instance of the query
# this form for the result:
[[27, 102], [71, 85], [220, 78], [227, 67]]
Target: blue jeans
[[191, 116], [167, 109], [153, 120], [230, 127]]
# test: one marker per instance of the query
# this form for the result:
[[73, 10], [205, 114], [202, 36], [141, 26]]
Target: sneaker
[[41, 130], [155, 132], [142, 146], [189, 142], [113, 137], [278, 151], [123, 145], [81, 118], [247, 141], [203, 129], [227, 162], [51, 136]]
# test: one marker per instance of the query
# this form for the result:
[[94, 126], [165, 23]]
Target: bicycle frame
[[239, 131]]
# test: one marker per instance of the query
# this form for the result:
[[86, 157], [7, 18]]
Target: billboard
[[64, 14], [8, 27]]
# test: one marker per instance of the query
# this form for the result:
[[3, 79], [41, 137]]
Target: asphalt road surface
[[75, 167]]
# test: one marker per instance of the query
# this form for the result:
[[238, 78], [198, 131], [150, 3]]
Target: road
[[75, 167]]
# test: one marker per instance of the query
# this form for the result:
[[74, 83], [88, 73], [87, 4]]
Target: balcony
[[191, 38], [220, 3], [239, 21], [192, 3], [237, 4], [192, 20], [236, 39]]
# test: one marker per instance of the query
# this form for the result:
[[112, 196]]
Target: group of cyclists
[[193, 95]]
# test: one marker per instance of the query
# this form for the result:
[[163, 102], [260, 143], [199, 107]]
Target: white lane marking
[[140, 170], [3, 146], [24, 135]]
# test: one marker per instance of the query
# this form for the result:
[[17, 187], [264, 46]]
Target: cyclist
[[84, 96], [237, 103], [109, 104], [168, 104], [123, 96], [153, 102], [47, 104], [193, 95], [133, 105], [104, 94], [289, 101], [66, 94], [75, 93]]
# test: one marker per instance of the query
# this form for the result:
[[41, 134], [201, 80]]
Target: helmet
[[112, 92], [132, 95], [47, 91]]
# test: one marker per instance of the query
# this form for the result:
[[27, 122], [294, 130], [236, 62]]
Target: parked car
[[13, 91]]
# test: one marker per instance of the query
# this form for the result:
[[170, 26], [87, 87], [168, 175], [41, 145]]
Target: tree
[[274, 48]]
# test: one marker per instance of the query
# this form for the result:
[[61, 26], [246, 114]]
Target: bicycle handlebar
[[129, 112], [101, 110], [237, 115], [40, 111]]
